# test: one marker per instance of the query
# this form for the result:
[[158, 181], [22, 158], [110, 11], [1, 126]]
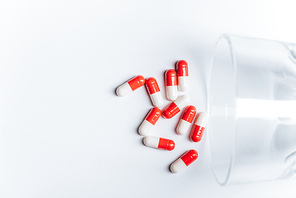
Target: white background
[[64, 132]]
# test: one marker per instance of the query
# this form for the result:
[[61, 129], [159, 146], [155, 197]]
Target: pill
[[198, 127], [171, 85], [150, 120], [154, 92], [175, 107], [182, 73], [186, 120], [131, 85], [160, 143], [185, 160]]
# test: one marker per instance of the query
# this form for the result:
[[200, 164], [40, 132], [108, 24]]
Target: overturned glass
[[252, 110]]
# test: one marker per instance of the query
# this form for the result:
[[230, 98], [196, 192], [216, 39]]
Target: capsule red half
[[171, 85], [175, 107], [182, 73], [185, 160], [186, 120], [150, 120], [160, 143], [198, 128], [154, 92], [131, 85]]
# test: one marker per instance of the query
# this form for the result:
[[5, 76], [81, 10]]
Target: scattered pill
[[174, 81], [160, 143], [198, 127], [131, 85], [149, 122], [171, 85], [182, 73], [186, 120], [185, 160], [175, 107], [154, 92]]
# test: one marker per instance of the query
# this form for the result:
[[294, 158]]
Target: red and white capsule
[[186, 120], [171, 85], [185, 160], [130, 86], [175, 107], [159, 143], [150, 120], [182, 73], [154, 92], [199, 127]]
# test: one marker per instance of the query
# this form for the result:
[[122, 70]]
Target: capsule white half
[[202, 119], [182, 101], [124, 89], [151, 141], [171, 92], [145, 128], [183, 127], [177, 166], [183, 83], [156, 99]]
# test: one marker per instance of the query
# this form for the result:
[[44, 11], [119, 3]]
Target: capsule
[[159, 143], [182, 73], [171, 85], [198, 127], [175, 107], [149, 122], [154, 92], [130, 86], [186, 120], [185, 160]]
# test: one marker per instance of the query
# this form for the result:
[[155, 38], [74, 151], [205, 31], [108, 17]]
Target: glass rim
[[226, 37]]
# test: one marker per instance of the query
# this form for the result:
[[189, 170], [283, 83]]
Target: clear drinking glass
[[252, 110]]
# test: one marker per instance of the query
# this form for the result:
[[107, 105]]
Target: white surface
[[64, 132]]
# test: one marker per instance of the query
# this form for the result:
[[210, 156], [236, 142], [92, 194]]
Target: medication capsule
[[175, 107], [198, 127], [185, 160], [160, 143], [182, 73], [171, 85], [149, 122], [154, 92], [186, 120], [131, 85]]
